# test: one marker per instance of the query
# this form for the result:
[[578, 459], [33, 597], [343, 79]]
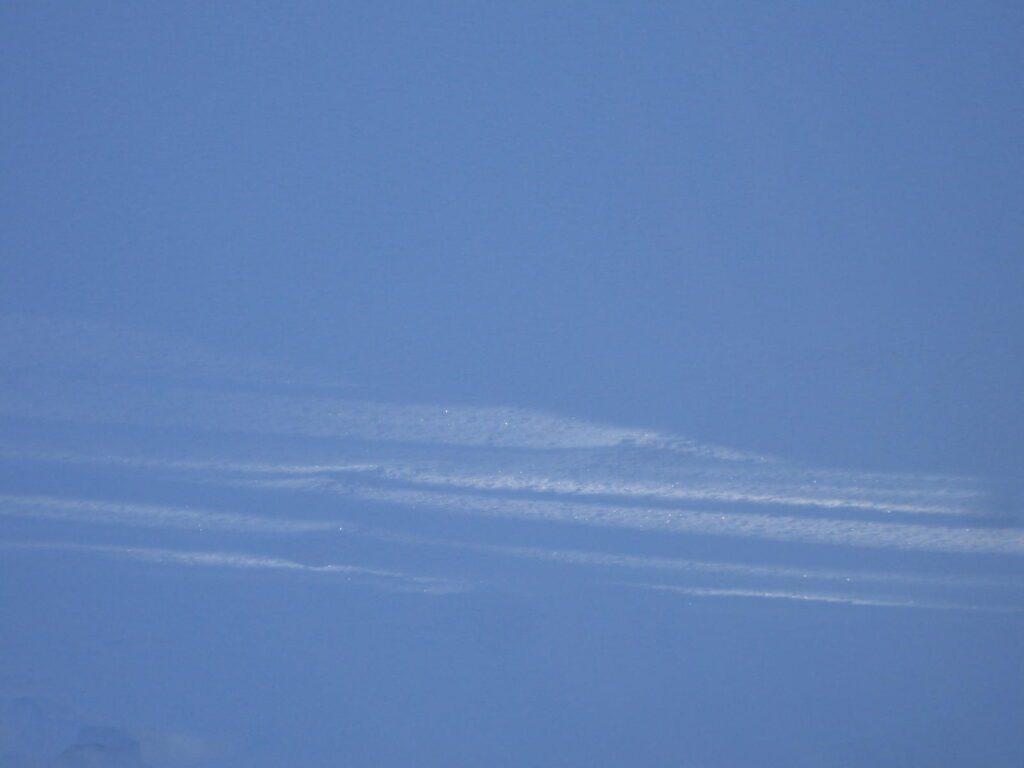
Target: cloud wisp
[[276, 434], [737, 515], [744, 576], [759, 489], [154, 516], [790, 528], [735, 570], [822, 597], [393, 580]]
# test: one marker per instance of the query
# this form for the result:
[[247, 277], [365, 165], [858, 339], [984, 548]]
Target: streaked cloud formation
[[298, 467]]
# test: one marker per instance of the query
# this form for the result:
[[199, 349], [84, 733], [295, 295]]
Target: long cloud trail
[[1005, 541], [823, 597], [758, 490], [396, 580], [99, 512], [272, 429], [154, 516]]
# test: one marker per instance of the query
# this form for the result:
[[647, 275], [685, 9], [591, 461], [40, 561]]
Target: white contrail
[[392, 579], [735, 572], [756, 487], [856, 533], [190, 465], [728, 523], [152, 516], [614, 560], [318, 416], [93, 511], [822, 597], [735, 492], [33, 348]]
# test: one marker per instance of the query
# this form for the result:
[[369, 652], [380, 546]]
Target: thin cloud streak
[[149, 516], [152, 516], [737, 573], [613, 560], [1007, 541], [831, 498], [822, 597], [393, 579], [735, 493], [535, 448], [318, 416]]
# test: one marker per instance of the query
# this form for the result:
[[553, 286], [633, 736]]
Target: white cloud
[[394, 580], [153, 516], [820, 597]]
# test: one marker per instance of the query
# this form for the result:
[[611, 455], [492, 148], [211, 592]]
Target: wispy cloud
[[737, 570], [480, 461], [737, 574], [843, 532], [736, 488], [394, 580], [319, 416], [153, 516], [754, 488], [821, 597]]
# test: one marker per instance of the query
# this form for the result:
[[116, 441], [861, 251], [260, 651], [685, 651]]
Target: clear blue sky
[[790, 228]]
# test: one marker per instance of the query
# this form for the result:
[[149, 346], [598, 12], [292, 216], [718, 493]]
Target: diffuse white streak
[[483, 450], [606, 559], [725, 493], [778, 528], [393, 579], [106, 512], [621, 473], [152, 516], [823, 597], [317, 416]]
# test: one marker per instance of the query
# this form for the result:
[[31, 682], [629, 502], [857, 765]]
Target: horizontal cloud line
[[393, 579], [740, 524], [319, 416], [640, 490], [822, 597], [118, 513], [580, 557], [152, 516]]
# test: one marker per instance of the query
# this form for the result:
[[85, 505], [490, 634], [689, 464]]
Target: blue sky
[[658, 365]]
